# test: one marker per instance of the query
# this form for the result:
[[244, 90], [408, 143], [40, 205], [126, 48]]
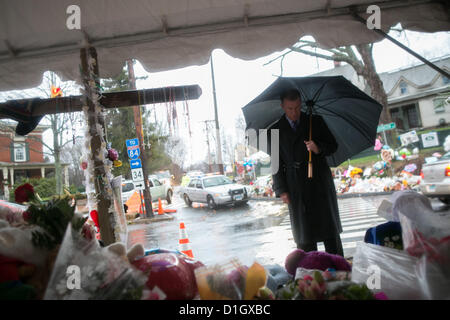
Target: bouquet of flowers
[[85, 271], [51, 217], [325, 285]]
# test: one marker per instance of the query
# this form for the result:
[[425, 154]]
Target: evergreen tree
[[120, 127]]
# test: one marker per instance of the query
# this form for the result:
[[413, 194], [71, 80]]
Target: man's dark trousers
[[332, 245]]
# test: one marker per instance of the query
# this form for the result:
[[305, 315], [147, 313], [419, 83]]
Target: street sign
[[139, 185], [133, 150], [135, 164], [137, 175], [385, 127], [132, 143], [134, 153]]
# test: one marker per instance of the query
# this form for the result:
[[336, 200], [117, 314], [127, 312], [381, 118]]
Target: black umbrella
[[351, 115]]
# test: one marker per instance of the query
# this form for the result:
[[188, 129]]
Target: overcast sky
[[238, 81]]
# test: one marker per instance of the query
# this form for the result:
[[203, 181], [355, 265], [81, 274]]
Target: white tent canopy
[[166, 35]]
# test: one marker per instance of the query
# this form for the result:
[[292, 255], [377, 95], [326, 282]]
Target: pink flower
[[380, 296]]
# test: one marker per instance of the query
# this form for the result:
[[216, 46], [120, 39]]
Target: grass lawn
[[371, 160]]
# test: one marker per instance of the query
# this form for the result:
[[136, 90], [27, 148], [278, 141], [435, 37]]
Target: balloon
[[378, 145]]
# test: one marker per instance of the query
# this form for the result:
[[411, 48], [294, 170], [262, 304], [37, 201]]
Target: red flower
[[24, 193], [26, 215]]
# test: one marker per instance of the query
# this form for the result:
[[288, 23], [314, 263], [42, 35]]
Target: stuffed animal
[[315, 260], [135, 252]]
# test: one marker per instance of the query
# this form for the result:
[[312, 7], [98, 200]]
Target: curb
[[151, 220], [341, 196]]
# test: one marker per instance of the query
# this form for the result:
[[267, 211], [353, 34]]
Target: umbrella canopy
[[350, 114], [38, 35]]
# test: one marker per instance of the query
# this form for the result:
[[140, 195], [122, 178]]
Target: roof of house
[[419, 74]]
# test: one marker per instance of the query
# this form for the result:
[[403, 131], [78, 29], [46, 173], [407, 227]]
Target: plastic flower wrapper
[[231, 281], [312, 284], [102, 275], [426, 235], [347, 290]]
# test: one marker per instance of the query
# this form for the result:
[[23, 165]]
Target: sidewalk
[[339, 196]]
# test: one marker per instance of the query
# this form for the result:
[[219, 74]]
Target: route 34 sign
[[137, 175]]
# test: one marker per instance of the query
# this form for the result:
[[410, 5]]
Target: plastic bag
[[426, 235], [85, 271], [12, 212], [231, 280], [16, 243], [387, 270]]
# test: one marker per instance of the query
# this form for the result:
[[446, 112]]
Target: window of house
[[439, 105], [403, 87], [406, 117], [445, 80], [412, 116], [19, 152]]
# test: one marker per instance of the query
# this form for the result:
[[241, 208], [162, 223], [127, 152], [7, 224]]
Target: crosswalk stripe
[[359, 218], [358, 226], [350, 215], [361, 221]]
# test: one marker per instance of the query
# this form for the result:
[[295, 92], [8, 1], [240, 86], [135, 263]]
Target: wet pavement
[[258, 231]]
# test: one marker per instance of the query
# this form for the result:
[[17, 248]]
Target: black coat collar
[[302, 127]]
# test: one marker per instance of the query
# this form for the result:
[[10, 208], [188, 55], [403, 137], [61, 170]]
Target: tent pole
[[415, 54], [95, 120]]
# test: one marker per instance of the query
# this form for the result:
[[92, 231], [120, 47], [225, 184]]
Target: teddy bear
[[315, 260], [135, 252]]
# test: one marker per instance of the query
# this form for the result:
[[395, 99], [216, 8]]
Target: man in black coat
[[312, 202]]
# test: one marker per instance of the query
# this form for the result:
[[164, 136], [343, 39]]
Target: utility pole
[[207, 142], [140, 136], [219, 146]]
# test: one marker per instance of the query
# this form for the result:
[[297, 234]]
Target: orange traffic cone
[[184, 242], [160, 208]]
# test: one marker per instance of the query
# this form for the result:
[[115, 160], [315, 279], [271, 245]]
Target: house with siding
[[418, 96], [22, 157]]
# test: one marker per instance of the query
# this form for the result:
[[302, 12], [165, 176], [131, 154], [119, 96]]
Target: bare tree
[[364, 66], [176, 149], [60, 124], [72, 154]]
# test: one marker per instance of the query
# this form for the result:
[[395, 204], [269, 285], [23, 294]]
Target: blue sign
[[132, 143], [135, 164], [134, 153]]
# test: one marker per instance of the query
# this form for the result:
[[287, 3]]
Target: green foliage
[[120, 127], [53, 217], [45, 187]]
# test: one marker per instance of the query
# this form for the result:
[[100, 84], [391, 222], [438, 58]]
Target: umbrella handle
[[310, 171]]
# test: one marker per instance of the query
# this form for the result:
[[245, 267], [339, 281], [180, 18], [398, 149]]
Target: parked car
[[189, 176], [436, 179], [157, 190], [164, 177], [215, 190]]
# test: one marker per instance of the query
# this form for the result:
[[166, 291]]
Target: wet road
[[258, 231]]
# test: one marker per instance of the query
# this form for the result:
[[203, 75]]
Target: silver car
[[157, 190], [214, 190], [436, 179]]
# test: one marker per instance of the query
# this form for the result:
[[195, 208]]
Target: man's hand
[[285, 197], [311, 146]]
